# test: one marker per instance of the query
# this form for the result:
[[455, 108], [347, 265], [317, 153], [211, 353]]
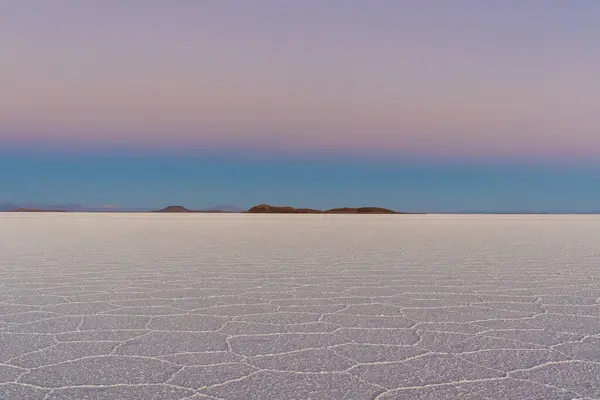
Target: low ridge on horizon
[[268, 209], [263, 208], [74, 207]]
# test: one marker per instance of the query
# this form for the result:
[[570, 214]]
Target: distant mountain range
[[36, 206], [267, 209], [216, 209], [72, 207], [263, 208]]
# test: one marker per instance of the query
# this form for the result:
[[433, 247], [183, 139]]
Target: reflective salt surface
[[146, 306]]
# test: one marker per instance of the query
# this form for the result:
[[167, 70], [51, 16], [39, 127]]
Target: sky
[[416, 104]]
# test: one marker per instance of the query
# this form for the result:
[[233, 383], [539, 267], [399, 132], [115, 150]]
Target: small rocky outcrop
[[308, 211], [265, 208], [174, 209], [361, 210]]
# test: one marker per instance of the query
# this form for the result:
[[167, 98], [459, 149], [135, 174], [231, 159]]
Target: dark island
[[182, 209], [174, 209], [267, 209], [259, 209]]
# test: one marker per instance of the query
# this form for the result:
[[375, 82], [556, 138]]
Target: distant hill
[[182, 209], [69, 207], [174, 209], [73, 207], [363, 210], [265, 208], [261, 208], [268, 209]]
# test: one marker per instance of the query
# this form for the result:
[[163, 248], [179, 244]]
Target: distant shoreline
[[287, 213], [268, 209]]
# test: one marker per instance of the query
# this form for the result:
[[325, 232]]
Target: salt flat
[[150, 306]]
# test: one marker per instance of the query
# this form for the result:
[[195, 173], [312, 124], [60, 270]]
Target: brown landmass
[[259, 209], [182, 209], [174, 209], [362, 210], [267, 209]]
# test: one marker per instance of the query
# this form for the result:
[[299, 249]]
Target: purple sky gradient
[[464, 79]]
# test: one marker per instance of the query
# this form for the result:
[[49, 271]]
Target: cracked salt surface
[[191, 307]]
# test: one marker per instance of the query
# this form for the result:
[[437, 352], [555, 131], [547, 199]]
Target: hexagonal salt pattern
[[150, 306]]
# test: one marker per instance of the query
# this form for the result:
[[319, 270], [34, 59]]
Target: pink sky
[[474, 78]]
